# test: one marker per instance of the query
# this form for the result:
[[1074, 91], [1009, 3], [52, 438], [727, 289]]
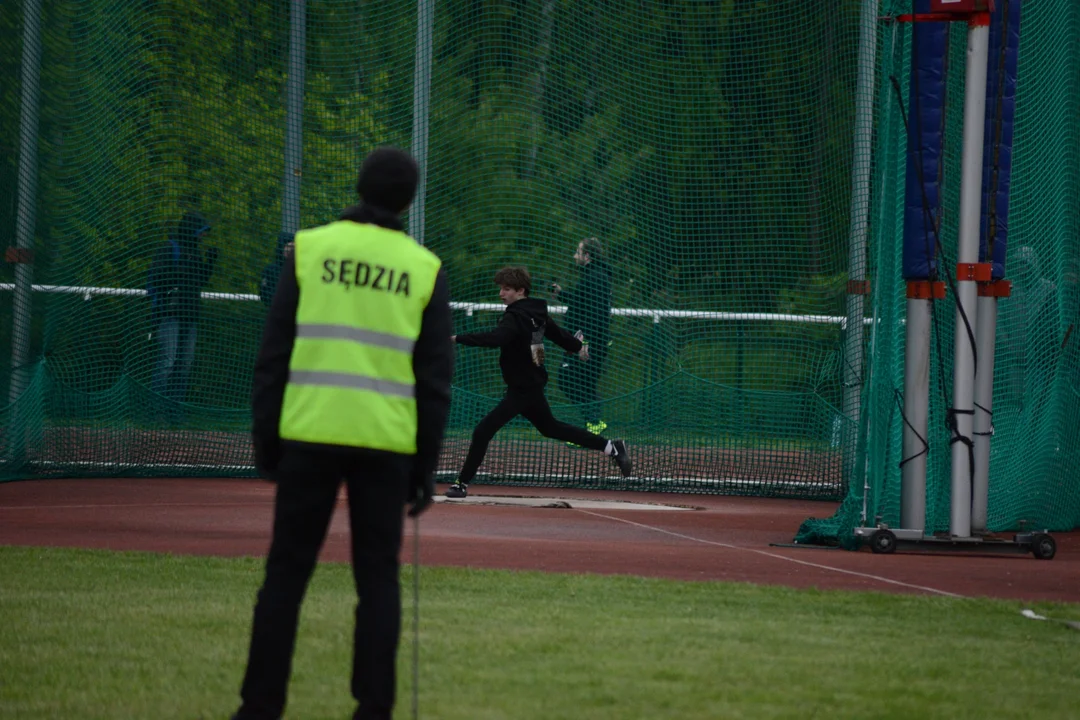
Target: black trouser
[[578, 380], [534, 407], [307, 489]]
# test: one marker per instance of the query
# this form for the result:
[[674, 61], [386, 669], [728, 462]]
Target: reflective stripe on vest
[[350, 382], [357, 335], [363, 291]]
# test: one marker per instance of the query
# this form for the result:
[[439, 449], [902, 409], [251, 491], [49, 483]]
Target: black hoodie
[[588, 305], [179, 272], [520, 333]]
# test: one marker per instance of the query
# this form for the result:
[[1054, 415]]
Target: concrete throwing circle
[[559, 503]]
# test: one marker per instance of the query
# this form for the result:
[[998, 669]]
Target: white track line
[[867, 576], [714, 543]]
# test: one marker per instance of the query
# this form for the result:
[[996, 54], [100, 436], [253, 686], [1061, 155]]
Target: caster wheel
[[883, 542], [1043, 546]]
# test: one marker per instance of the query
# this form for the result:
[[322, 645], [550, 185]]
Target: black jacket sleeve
[[503, 334], [589, 305], [272, 370], [560, 337], [433, 367]]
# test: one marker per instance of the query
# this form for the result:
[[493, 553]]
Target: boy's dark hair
[[514, 277], [592, 247]]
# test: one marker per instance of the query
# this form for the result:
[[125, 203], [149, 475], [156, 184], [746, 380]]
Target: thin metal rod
[[986, 341], [860, 213], [470, 307], [25, 217], [294, 118], [425, 12]]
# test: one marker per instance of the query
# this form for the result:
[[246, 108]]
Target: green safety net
[[708, 146], [1036, 442]]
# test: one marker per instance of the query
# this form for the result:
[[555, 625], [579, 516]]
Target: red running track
[[726, 538]]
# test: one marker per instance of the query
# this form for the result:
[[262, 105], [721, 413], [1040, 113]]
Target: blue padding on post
[[926, 110], [997, 145]]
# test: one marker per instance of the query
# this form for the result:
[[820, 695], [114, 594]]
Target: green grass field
[[91, 634]]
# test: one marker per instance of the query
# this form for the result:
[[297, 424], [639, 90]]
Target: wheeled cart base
[[883, 540]]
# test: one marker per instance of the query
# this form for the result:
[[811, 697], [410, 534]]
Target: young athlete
[[520, 336]]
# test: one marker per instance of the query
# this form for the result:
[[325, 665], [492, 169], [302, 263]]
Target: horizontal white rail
[[89, 292], [469, 308]]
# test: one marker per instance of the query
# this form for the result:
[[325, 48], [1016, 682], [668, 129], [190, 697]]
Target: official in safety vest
[[352, 384]]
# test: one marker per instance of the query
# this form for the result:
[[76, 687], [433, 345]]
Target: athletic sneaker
[[457, 490], [622, 457], [596, 427]]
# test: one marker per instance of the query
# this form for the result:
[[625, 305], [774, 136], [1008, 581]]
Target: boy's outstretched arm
[[560, 337], [501, 336]]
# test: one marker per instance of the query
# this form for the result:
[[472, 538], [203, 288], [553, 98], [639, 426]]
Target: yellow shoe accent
[[597, 427]]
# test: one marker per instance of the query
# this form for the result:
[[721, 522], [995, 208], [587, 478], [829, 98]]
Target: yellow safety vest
[[363, 290]]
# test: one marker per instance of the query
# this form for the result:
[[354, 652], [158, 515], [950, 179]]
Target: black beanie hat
[[388, 179]]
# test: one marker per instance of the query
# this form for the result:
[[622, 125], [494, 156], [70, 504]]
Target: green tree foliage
[[706, 143]]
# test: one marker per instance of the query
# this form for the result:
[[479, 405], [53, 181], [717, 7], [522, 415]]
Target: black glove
[[421, 492]]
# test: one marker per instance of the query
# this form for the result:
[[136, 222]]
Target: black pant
[[534, 406], [578, 380], [307, 489]]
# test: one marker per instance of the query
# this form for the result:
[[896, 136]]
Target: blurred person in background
[[178, 274], [269, 282], [588, 311]]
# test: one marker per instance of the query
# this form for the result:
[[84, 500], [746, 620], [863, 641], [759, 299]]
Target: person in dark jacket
[[289, 399], [268, 283], [520, 338], [588, 311], [178, 274]]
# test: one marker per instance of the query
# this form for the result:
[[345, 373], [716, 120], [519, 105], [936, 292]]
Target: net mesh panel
[[1037, 439], [708, 146]]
